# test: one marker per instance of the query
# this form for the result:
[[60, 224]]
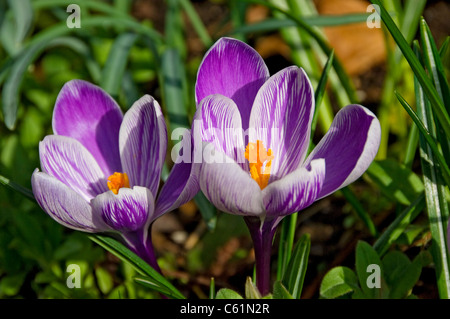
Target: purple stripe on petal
[[233, 69], [218, 121], [180, 187], [67, 160], [349, 146], [229, 187], [295, 191], [281, 118], [128, 211], [88, 114], [64, 205], [143, 143]]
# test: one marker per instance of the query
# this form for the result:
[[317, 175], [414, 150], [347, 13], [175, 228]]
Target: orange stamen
[[118, 180], [260, 162]]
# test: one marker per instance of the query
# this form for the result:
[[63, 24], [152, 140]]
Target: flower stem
[[262, 235], [143, 247]]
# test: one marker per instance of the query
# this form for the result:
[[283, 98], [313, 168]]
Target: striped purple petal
[[88, 114], [218, 121], [349, 146], [128, 211], [230, 188], [143, 143], [281, 118], [180, 187], [68, 161], [233, 69], [294, 191], [64, 205]]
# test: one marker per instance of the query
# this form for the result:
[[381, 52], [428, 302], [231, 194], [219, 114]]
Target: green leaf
[[11, 284], [280, 291], [427, 137], [197, 23], [207, 210], [226, 293], [320, 91], [104, 280], [396, 181], [400, 273], [23, 18], [436, 69], [398, 226], [338, 282], [437, 205], [154, 285], [321, 41], [296, 269], [18, 188], [365, 257], [287, 236], [273, 24], [428, 88], [173, 82], [114, 69], [251, 292], [151, 276]]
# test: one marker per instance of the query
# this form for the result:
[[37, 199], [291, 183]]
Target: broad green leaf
[[280, 291], [226, 293], [296, 269], [367, 256], [400, 273], [104, 280], [11, 284], [338, 282], [396, 181]]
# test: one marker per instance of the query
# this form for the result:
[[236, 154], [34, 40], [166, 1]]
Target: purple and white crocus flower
[[101, 169], [266, 173]]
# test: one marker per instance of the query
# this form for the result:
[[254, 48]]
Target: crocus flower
[[101, 169], [260, 126]]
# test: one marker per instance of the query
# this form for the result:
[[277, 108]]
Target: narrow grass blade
[[114, 69], [397, 227], [429, 139], [137, 263], [435, 193], [296, 270], [323, 44], [428, 88], [273, 24], [17, 188], [197, 23], [436, 69], [320, 90], [23, 18], [286, 243]]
